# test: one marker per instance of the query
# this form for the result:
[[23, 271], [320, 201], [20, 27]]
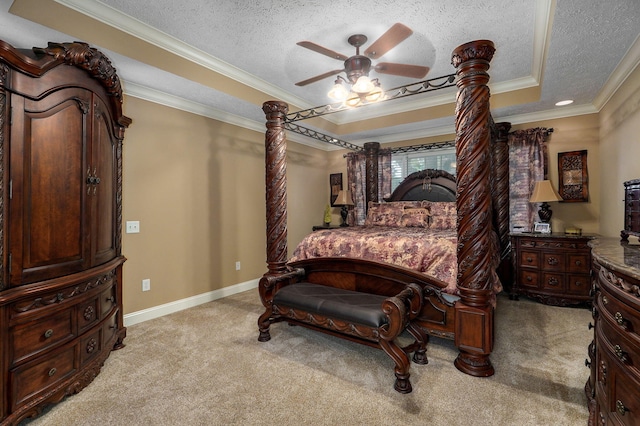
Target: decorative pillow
[[415, 217], [383, 214], [388, 214], [444, 215]]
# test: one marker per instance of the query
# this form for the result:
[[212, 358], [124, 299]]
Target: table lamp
[[344, 199], [543, 192]]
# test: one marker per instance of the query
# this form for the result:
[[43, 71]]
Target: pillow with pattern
[[416, 217], [444, 215], [388, 214]]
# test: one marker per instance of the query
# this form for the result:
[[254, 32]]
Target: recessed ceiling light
[[567, 102]]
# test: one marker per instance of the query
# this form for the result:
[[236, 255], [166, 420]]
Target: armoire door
[[102, 195], [48, 189]]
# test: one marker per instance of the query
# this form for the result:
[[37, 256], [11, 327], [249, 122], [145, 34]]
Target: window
[[403, 164]]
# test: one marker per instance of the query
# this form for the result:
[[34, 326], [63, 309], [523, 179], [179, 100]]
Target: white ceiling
[[569, 49]]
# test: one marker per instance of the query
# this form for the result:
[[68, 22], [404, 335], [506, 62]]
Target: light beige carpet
[[204, 366]]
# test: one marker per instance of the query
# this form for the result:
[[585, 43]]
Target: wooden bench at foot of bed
[[351, 299]]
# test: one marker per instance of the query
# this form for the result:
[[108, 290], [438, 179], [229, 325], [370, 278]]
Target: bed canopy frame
[[481, 196]]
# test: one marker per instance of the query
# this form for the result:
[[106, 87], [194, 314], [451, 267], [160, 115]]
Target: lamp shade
[[543, 192], [343, 198]]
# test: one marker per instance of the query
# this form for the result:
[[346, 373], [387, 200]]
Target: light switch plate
[[133, 227]]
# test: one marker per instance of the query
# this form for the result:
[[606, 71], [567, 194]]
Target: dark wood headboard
[[427, 184]]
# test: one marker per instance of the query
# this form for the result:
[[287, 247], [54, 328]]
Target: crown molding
[[629, 62], [136, 28]]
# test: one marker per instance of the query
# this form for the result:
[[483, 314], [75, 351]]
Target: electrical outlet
[[146, 284], [238, 265], [133, 227]]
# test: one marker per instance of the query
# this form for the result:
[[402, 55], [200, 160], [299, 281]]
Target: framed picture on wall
[[335, 183], [573, 178]]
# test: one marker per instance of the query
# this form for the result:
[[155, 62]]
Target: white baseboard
[[189, 302]]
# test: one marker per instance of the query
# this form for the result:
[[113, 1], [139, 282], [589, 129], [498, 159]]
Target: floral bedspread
[[430, 251]]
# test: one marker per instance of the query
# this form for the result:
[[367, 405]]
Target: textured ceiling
[[546, 52]]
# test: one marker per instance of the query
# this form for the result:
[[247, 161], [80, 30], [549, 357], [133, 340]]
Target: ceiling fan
[[359, 65]]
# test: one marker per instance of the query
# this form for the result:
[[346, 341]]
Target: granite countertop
[[616, 255]]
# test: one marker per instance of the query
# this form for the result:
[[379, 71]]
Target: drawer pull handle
[[620, 319], [578, 263], [111, 299], [578, 283], [622, 355], [529, 259], [552, 261], [620, 408], [48, 333], [52, 371], [590, 325], [605, 300], [587, 363], [529, 278], [553, 281]]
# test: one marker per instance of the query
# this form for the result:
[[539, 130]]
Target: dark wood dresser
[[61, 131], [613, 388], [551, 268]]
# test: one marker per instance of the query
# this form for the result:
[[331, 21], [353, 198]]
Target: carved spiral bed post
[[276, 206], [276, 185], [500, 196], [474, 311]]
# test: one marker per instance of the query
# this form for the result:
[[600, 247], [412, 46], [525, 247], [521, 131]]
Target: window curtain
[[528, 163], [356, 182]]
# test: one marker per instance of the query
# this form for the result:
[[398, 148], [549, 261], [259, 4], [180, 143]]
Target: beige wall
[[620, 152], [574, 134], [197, 187]]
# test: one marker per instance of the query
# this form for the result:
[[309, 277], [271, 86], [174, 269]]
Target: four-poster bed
[[481, 198]]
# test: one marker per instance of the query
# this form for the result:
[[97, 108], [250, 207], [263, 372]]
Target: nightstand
[[553, 269]]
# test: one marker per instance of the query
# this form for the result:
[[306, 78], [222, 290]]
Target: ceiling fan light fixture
[[376, 94], [363, 85], [338, 92], [353, 100]]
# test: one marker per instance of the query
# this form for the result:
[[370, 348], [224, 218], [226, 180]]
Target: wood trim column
[[275, 143], [474, 312]]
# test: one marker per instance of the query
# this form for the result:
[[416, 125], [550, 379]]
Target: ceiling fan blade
[[404, 70], [387, 41], [318, 77], [323, 50]]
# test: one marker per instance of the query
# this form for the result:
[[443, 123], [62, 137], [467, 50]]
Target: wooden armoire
[[61, 131]]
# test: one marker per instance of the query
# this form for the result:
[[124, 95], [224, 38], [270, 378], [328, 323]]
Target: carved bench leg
[[420, 354], [400, 357], [264, 322]]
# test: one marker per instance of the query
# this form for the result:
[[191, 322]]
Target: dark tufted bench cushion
[[347, 305]]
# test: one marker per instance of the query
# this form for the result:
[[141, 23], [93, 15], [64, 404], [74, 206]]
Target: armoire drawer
[[31, 337], [108, 301], [36, 377]]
